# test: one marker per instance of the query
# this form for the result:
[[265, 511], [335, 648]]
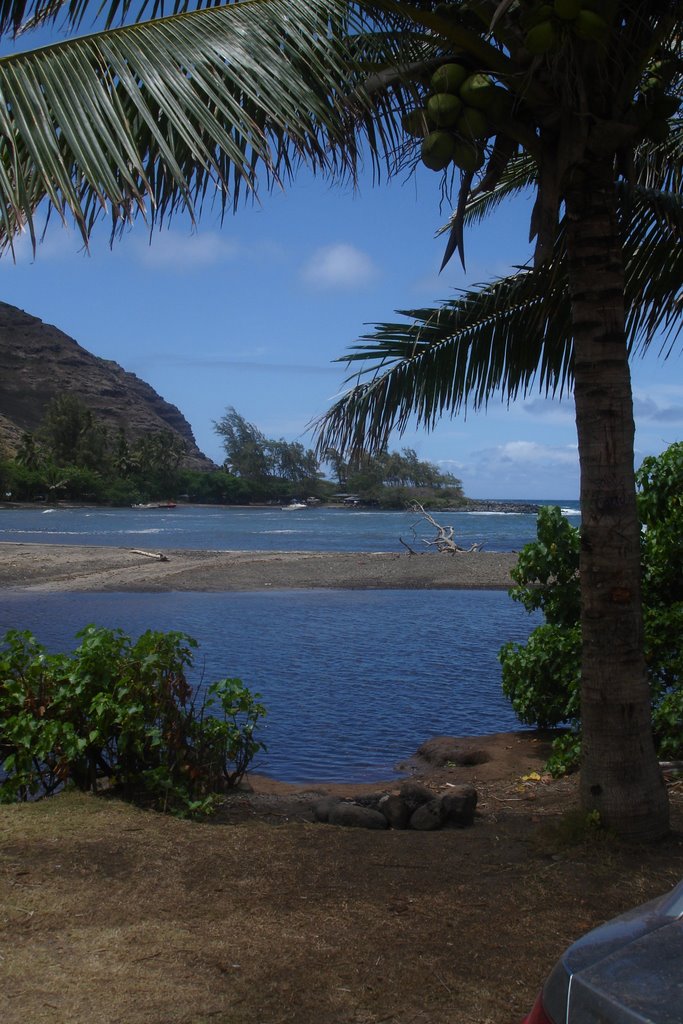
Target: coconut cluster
[[545, 23], [457, 118]]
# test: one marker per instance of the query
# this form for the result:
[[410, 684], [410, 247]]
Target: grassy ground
[[113, 914]]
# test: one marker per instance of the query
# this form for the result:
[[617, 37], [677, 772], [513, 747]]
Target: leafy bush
[[542, 677], [124, 712]]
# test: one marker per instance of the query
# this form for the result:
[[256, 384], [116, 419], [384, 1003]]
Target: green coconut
[[541, 38], [415, 123], [590, 26], [468, 157], [534, 17], [444, 109], [437, 150], [476, 90], [473, 124], [567, 10], [449, 78]]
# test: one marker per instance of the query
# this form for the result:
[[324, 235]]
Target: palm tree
[[150, 118]]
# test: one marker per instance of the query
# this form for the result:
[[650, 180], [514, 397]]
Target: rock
[[469, 758], [321, 810], [428, 816], [458, 806], [372, 800], [395, 811], [443, 750], [414, 794], [352, 815]]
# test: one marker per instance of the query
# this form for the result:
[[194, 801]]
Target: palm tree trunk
[[620, 775]]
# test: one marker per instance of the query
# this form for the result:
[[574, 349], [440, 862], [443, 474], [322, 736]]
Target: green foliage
[[660, 506], [124, 712], [547, 570], [542, 677], [250, 454]]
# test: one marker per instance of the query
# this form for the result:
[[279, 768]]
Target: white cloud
[[173, 251], [558, 410], [56, 246], [339, 266], [518, 469], [648, 408], [529, 453]]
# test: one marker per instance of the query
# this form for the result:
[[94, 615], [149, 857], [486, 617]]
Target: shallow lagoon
[[353, 681]]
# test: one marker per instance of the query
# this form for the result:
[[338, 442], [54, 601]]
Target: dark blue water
[[264, 529], [353, 681]]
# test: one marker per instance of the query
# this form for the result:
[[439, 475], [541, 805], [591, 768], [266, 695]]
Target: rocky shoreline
[[516, 507]]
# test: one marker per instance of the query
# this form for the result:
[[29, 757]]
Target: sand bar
[[62, 567]]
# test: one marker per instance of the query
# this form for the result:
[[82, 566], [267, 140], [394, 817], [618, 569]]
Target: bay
[[217, 528], [353, 681]]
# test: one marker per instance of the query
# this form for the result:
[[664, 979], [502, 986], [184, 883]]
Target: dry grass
[[112, 914]]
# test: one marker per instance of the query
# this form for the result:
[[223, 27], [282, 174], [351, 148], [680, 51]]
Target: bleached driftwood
[[444, 534], [150, 554]]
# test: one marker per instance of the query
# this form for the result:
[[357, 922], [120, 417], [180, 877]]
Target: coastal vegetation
[[542, 677], [121, 715], [580, 114], [73, 457]]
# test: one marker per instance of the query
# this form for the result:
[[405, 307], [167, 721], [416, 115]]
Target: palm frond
[[507, 337], [147, 118], [653, 255], [503, 336]]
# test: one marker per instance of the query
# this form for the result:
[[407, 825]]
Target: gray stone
[[442, 750], [414, 794], [428, 816], [372, 800], [352, 815], [459, 805], [321, 810], [395, 811]]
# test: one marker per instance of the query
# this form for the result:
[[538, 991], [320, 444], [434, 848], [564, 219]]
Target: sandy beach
[[52, 567]]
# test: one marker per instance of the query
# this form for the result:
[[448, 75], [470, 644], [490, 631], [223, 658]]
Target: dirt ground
[[114, 915]]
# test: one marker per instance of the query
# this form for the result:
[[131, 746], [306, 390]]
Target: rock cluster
[[413, 806]]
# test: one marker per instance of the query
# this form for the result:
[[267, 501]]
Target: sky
[[253, 314]]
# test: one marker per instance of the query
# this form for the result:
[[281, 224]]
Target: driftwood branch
[[150, 554], [412, 551], [444, 541]]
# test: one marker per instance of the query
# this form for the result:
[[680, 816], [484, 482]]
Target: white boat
[[293, 506]]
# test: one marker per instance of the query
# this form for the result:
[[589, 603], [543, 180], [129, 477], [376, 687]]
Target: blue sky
[[253, 313]]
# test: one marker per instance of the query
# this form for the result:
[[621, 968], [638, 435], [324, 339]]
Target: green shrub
[[542, 677], [121, 712]]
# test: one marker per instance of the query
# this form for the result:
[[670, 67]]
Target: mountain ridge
[[39, 362]]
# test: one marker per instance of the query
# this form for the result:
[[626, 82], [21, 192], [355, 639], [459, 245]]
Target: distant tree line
[[74, 456], [387, 478]]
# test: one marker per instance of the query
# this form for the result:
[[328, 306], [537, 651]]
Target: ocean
[[216, 528], [353, 681]]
